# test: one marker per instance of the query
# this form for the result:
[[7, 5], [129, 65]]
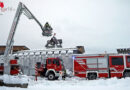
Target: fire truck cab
[[52, 69], [119, 65], [102, 66]]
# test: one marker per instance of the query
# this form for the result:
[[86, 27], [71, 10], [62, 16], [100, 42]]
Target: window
[[14, 67], [128, 59], [117, 60], [55, 61], [1, 64], [38, 64], [49, 61]]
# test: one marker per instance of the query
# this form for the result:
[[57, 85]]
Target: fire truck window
[[1, 64], [57, 62], [128, 58], [49, 61], [14, 67], [54, 61], [117, 61], [16, 57], [38, 64]]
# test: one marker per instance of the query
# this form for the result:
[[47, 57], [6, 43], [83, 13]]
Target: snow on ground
[[19, 79], [75, 84]]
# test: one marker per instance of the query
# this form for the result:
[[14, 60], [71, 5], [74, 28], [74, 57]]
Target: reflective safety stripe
[[80, 62]]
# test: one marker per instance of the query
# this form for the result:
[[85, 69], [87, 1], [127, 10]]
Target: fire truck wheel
[[127, 74], [92, 76], [51, 76]]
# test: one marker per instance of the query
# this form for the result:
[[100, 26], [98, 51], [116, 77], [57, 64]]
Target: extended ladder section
[[48, 51]]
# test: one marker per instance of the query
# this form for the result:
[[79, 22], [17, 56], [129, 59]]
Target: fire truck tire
[[127, 74], [51, 76], [92, 76]]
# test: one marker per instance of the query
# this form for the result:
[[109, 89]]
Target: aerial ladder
[[46, 31]]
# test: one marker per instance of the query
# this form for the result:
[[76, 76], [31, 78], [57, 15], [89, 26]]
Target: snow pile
[[19, 79], [76, 83]]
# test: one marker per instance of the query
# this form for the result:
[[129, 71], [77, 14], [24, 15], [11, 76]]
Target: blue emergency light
[[73, 57]]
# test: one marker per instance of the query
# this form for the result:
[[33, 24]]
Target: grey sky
[[99, 25]]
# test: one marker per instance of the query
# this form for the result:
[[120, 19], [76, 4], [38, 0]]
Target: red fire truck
[[14, 67], [52, 68], [102, 66]]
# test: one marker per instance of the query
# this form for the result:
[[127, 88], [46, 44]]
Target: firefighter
[[47, 26], [47, 30], [53, 40]]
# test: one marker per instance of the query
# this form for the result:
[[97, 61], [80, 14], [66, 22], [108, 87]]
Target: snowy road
[[76, 84]]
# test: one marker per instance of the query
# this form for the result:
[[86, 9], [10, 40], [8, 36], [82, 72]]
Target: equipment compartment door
[[80, 68]]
